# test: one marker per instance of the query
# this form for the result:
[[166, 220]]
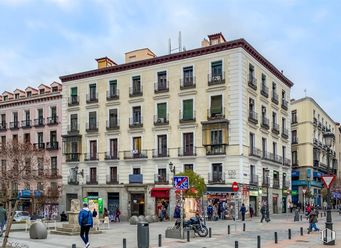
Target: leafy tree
[[197, 186]]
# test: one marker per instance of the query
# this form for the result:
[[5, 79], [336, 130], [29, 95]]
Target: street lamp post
[[267, 192], [329, 139]]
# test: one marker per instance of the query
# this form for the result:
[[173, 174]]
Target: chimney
[[140, 54], [205, 43], [105, 62], [216, 38]]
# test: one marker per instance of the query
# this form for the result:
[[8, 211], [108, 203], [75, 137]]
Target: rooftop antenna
[[179, 48], [305, 92]]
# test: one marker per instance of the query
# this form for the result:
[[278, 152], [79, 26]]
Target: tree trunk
[[9, 223]]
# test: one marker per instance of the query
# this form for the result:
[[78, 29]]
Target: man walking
[[3, 218], [243, 211], [85, 221], [265, 213]]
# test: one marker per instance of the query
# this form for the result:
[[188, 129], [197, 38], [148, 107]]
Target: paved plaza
[[279, 223]]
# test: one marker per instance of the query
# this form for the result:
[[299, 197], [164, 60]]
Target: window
[[294, 116], [274, 118], [136, 171], [113, 88], [92, 120], [252, 173], [162, 175], [251, 105], [74, 91], [274, 87], [263, 81], [92, 91], [216, 137], [263, 112], [188, 143], [16, 96], [54, 88], [162, 145], [274, 148], [113, 148], [15, 118], [93, 175], [113, 118], [137, 145], [3, 140], [217, 70], [216, 105], [54, 166], [162, 111], [137, 85], [188, 167], [294, 136], [40, 138], [29, 93], [137, 119], [217, 172], [93, 149], [74, 122], [284, 125], [188, 75], [252, 140], [162, 80], [40, 166], [3, 119], [41, 91], [27, 115], [251, 73], [284, 150], [5, 98], [264, 146], [40, 114], [113, 174], [187, 106], [15, 138], [54, 112]]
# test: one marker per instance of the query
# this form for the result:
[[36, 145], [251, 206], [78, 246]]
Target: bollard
[[258, 241], [235, 244], [321, 215], [188, 236], [289, 233], [301, 231], [73, 246], [244, 227], [228, 230], [301, 217], [276, 238], [209, 232], [160, 240], [124, 243]]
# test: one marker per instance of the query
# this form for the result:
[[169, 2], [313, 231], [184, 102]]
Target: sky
[[41, 40]]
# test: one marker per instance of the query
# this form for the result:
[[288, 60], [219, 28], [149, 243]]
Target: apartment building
[[33, 115], [220, 110], [311, 157]]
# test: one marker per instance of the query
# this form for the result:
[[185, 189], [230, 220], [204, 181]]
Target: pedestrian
[[209, 212], [265, 213], [94, 213], [215, 212], [177, 212], [243, 211], [3, 218], [117, 215], [163, 213], [251, 211], [85, 221], [63, 217], [105, 213], [313, 220]]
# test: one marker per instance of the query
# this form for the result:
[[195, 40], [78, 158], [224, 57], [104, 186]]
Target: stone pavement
[[279, 223]]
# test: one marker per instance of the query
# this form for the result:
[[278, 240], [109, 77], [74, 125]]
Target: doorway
[[137, 204]]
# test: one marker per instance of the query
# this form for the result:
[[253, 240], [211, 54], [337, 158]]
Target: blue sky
[[43, 39]]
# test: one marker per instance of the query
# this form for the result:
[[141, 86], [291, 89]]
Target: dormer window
[[42, 91], [16, 96], [55, 89], [5, 98], [29, 93]]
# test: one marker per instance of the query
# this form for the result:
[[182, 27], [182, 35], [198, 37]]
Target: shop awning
[[160, 192]]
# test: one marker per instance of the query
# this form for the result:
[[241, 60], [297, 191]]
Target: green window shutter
[[216, 104], [74, 91], [161, 110], [188, 109]]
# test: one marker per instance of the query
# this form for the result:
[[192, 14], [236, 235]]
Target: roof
[[141, 49], [240, 43], [44, 85], [7, 92], [106, 58], [30, 87], [217, 35], [22, 91]]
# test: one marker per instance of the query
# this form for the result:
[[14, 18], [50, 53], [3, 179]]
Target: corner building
[[220, 110]]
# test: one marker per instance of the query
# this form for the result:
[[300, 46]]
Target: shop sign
[[294, 192], [253, 193]]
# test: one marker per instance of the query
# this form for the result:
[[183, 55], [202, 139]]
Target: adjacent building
[[311, 157], [221, 110], [33, 116]]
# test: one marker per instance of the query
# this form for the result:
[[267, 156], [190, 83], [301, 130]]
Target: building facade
[[33, 116], [220, 110], [311, 157]]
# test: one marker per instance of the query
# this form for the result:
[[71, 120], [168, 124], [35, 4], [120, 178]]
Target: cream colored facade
[[214, 141], [310, 155], [338, 148]]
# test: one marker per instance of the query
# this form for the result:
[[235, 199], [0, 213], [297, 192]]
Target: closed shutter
[[188, 109], [161, 110], [74, 91], [216, 104]]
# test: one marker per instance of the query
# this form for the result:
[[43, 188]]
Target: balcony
[[214, 79], [92, 180], [111, 155], [113, 95], [72, 157], [189, 118], [216, 178], [284, 104], [265, 123], [39, 146], [267, 155], [296, 163], [73, 129], [285, 133], [275, 128], [187, 151], [254, 179], [92, 98], [315, 121], [26, 124], [53, 120], [161, 179], [92, 127], [159, 121], [135, 178], [215, 149], [14, 125], [252, 82], [112, 179], [52, 145], [255, 152], [113, 124], [253, 117], [135, 122], [135, 154], [274, 98], [214, 114], [294, 140], [265, 182], [294, 120], [73, 180], [264, 91], [278, 159], [162, 153], [40, 122], [73, 101], [275, 183], [187, 83], [91, 157], [135, 91], [286, 162], [161, 87], [53, 174], [3, 126]]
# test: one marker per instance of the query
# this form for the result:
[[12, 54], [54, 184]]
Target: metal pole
[[329, 223], [258, 241], [301, 231], [182, 216], [228, 230], [188, 236], [276, 238], [209, 232], [236, 244], [160, 240], [243, 227], [289, 233], [124, 243]]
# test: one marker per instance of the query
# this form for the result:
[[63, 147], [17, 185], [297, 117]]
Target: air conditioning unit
[[135, 151], [160, 120], [216, 78]]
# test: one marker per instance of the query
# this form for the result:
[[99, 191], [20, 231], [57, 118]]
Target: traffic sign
[[181, 182], [235, 186], [328, 180], [327, 235]]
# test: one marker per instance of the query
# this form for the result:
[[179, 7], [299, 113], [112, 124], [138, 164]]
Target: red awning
[[160, 192]]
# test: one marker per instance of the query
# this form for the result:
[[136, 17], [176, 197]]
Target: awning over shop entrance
[[160, 192]]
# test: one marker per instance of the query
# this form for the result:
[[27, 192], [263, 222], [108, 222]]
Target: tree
[[197, 186], [22, 167]]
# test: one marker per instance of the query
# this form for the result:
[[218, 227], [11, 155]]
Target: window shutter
[[161, 110], [216, 104], [188, 109]]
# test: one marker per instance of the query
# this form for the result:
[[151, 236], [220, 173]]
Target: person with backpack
[[85, 221]]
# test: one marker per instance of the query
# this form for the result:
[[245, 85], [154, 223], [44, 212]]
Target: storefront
[[275, 203], [161, 196], [113, 202], [94, 202], [137, 204], [217, 196], [253, 198]]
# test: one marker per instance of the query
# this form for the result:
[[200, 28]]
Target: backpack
[[85, 221]]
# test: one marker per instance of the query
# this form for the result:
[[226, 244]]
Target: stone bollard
[[276, 238], [301, 230], [188, 236]]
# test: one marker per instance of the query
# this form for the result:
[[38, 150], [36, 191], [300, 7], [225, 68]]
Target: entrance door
[[113, 202], [284, 205], [275, 204], [253, 203], [137, 204]]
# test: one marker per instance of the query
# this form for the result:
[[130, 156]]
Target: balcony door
[[217, 172], [188, 76], [137, 115], [217, 69], [162, 145], [113, 174], [93, 149], [113, 118], [53, 137], [74, 122], [161, 112], [113, 148], [216, 105], [188, 145], [92, 120], [187, 109], [136, 85], [92, 90], [162, 80], [137, 146], [93, 175]]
